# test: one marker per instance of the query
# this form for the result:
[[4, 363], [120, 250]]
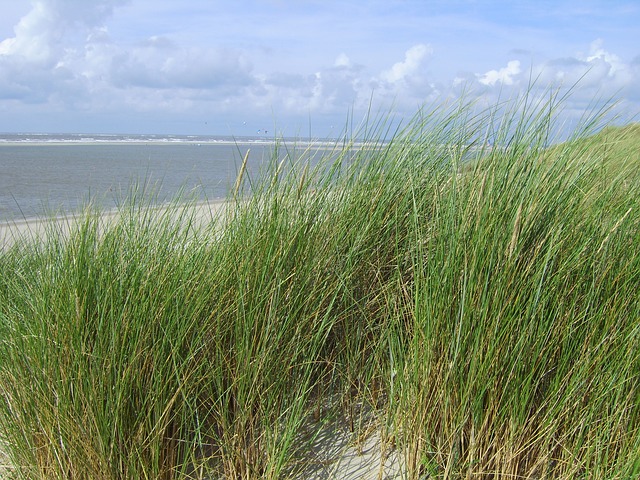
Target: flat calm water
[[59, 175]]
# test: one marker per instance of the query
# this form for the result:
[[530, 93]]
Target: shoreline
[[195, 142], [90, 143], [319, 143]]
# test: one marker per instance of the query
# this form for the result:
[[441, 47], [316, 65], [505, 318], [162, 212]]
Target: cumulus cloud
[[62, 53], [63, 47], [158, 63], [346, 85], [43, 60], [598, 54], [40, 35], [35, 36], [411, 65], [596, 73], [591, 79], [329, 89], [406, 84], [342, 61], [506, 75]]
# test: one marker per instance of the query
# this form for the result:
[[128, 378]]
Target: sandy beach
[[39, 228]]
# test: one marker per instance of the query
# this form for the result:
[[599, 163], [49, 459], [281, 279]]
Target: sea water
[[45, 175]]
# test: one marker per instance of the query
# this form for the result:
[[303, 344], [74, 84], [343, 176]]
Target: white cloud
[[160, 64], [41, 35], [62, 51], [406, 85], [598, 73], [74, 55], [410, 66], [342, 61], [55, 48], [329, 90], [597, 53], [36, 36], [506, 75]]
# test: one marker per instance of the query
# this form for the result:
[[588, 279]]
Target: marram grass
[[478, 304]]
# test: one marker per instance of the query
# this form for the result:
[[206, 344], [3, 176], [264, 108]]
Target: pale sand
[[38, 229], [336, 453], [340, 455], [336, 458]]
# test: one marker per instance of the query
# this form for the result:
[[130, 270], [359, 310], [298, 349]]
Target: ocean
[[46, 175]]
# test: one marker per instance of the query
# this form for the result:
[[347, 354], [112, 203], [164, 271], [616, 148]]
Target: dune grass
[[478, 305]]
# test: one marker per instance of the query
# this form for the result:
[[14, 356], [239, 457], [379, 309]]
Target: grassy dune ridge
[[475, 306]]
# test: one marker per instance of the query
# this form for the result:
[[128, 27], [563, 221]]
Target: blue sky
[[233, 67]]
